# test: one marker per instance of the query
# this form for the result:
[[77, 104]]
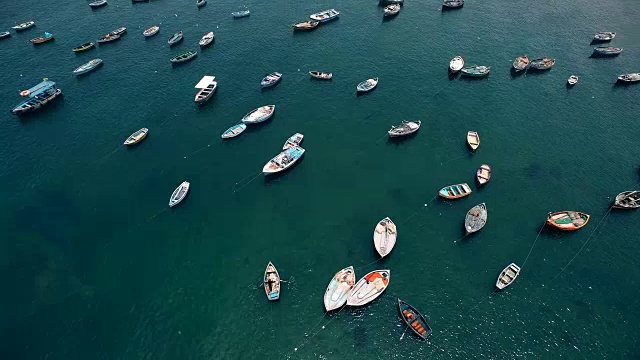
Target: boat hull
[[179, 194], [267, 113], [338, 289], [369, 288], [19, 111], [414, 320], [568, 220], [272, 282]]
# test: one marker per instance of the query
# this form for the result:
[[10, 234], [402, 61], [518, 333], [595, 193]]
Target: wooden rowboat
[[473, 139], [305, 25], [259, 115], [272, 282], [42, 39], [321, 75], [179, 194], [336, 294], [384, 236], [568, 220], [414, 319], [455, 191], [627, 200], [294, 140], [83, 47], [136, 137], [476, 218], [483, 175], [234, 131], [370, 287], [508, 276]]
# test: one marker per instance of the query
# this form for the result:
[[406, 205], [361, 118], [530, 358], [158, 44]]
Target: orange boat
[[41, 39], [568, 220]]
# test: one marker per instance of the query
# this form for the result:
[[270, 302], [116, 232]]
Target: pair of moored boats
[[316, 19], [523, 62], [291, 153], [113, 35], [457, 65], [343, 288], [255, 116], [457, 191]]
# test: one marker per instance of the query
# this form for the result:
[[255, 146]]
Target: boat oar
[[405, 331]]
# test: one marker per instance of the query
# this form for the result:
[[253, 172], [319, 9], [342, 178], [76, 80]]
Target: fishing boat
[[207, 87], [627, 200], [473, 140], [391, 10], [151, 31], [271, 79], [321, 75], [108, 38], [634, 77], [305, 25], [98, 3], [136, 137], [456, 64], [240, 14], [83, 47], [283, 161], [544, 63], [507, 276], [185, 56], [234, 131], [325, 16], [336, 294], [455, 191], [42, 39], [384, 236], [568, 220], [414, 319], [179, 194], [476, 70], [607, 50], [88, 67], [259, 115], [369, 288], [476, 218], [4, 34], [367, 85], [119, 31], [201, 3], [604, 36], [483, 175], [272, 282], [404, 129], [24, 26], [521, 63], [572, 80], [207, 39], [294, 140], [175, 38], [452, 4], [37, 97]]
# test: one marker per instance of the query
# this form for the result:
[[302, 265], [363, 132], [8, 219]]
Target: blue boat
[[271, 79], [283, 161], [234, 131], [607, 50], [176, 38], [38, 96]]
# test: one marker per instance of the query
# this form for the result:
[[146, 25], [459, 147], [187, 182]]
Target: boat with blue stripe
[[455, 191], [38, 96], [283, 161]]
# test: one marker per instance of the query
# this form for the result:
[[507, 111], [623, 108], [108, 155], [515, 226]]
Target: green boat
[[185, 56], [83, 47], [476, 70]]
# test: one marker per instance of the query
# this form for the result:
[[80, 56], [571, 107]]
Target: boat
[[455, 191], [604, 36], [476, 218], [629, 77], [568, 220], [369, 287], [572, 80], [544, 63], [483, 175], [136, 137], [367, 85], [306, 25], [271, 79], [521, 63], [201, 3], [240, 14], [456, 64], [283, 161], [607, 50], [452, 4], [83, 47], [24, 26], [185, 56], [391, 10], [4, 34], [259, 115], [119, 31], [98, 3], [336, 294], [476, 70], [151, 31], [414, 319], [207, 86], [272, 282], [85, 68], [207, 39], [473, 140], [42, 39], [321, 75], [38, 96], [507, 276], [325, 16], [627, 200], [294, 140], [108, 38], [179, 194], [404, 129], [234, 131], [175, 38], [384, 236]]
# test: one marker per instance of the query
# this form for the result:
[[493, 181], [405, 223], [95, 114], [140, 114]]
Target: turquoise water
[[95, 265]]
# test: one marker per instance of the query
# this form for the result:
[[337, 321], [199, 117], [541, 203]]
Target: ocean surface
[[94, 265]]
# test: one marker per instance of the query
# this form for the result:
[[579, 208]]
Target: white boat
[[201, 3], [369, 287], [392, 10], [98, 3], [234, 131], [384, 236], [240, 14], [85, 68], [136, 137], [324, 16], [367, 85], [151, 31], [294, 140], [476, 218], [179, 194], [283, 161], [633, 77], [206, 39], [456, 64], [507, 276], [24, 26], [338, 290], [259, 115], [604, 36], [406, 128], [572, 80], [206, 88], [272, 282]]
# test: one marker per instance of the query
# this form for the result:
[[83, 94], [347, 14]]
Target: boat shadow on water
[[534, 71], [397, 140], [473, 78], [360, 93], [602, 56], [515, 73], [452, 75]]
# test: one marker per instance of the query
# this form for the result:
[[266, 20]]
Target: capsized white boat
[[456, 64], [179, 194], [259, 115], [369, 287], [384, 236], [283, 161], [336, 294]]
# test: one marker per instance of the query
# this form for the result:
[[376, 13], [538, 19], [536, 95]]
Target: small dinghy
[[98, 3], [207, 87], [476, 218], [240, 14], [414, 319], [629, 77], [483, 175], [151, 31], [42, 39], [507, 276], [544, 63], [185, 56], [572, 80], [476, 70], [321, 75], [259, 115], [272, 282], [283, 161], [325, 16], [234, 131], [4, 34], [607, 50], [271, 79], [179, 194], [369, 287], [455, 191], [521, 63], [24, 26], [136, 137], [175, 38], [201, 3], [108, 38], [85, 68], [391, 10], [568, 220], [294, 140], [456, 64], [604, 36], [367, 85], [384, 236], [119, 31], [336, 294], [404, 129], [473, 140], [627, 200], [83, 47], [452, 4], [305, 25], [206, 40]]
